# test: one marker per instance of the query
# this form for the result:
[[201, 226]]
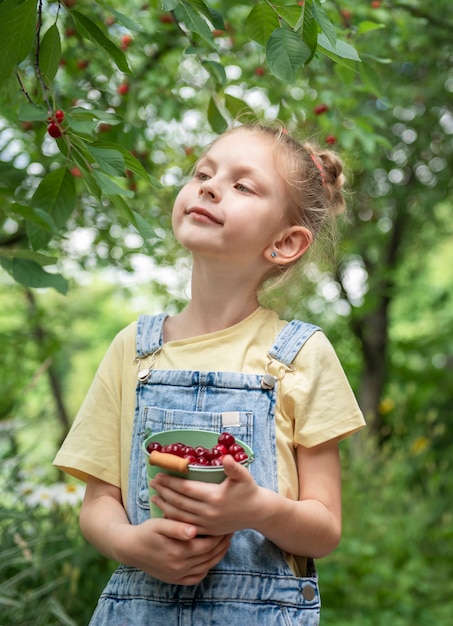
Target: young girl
[[242, 549]]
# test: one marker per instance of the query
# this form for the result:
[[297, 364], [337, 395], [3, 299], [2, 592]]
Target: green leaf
[[32, 275], [24, 253], [370, 78], [367, 26], [195, 22], [122, 206], [125, 20], [261, 22], [55, 195], [50, 53], [169, 5], [143, 226], [239, 109], [109, 160], [17, 33], [201, 7], [131, 163], [109, 187], [341, 50], [91, 31], [217, 20], [217, 71], [293, 15], [37, 216], [215, 118], [286, 53], [324, 23], [29, 112]]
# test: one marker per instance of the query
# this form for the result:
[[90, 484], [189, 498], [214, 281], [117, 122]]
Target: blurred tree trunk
[[372, 328], [40, 335]]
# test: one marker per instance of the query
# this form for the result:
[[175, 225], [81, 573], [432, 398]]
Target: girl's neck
[[217, 303]]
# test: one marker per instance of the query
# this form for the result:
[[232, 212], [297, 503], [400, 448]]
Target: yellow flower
[[419, 445], [386, 405]]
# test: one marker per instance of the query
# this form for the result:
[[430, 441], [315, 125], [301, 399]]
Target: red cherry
[[217, 462], [218, 451], [173, 448], [202, 453], [235, 449], [54, 130], [202, 461], [331, 139], [240, 456], [260, 71], [320, 109], [188, 450], [166, 18], [226, 439], [126, 41], [191, 457], [123, 89], [59, 115], [154, 445]]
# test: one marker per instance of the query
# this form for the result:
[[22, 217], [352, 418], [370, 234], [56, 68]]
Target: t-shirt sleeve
[[318, 396], [93, 444]]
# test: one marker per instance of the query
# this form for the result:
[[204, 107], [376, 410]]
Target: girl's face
[[232, 209]]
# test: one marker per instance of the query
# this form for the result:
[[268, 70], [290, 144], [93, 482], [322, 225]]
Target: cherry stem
[[38, 73], [22, 88]]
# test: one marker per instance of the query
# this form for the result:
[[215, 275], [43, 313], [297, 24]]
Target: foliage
[[96, 83], [49, 576], [393, 562]]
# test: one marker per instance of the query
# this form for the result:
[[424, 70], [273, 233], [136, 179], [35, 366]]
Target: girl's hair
[[314, 181]]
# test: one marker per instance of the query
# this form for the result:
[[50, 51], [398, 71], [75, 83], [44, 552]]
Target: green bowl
[[205, 438]]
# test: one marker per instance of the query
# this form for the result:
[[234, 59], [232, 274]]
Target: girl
[[243, 549]]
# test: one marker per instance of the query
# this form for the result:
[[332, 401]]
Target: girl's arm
[[168, 550], [310, 526]]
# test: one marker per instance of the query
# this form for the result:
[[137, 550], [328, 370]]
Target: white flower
[[68, 493]]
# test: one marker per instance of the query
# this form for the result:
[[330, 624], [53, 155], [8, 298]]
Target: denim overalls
[[253, 585]]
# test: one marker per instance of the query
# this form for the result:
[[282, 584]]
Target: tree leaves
[[88, 29], [50, 53], [286, 52], [80, 74], [56, 196], [290, 36], [17, 31]]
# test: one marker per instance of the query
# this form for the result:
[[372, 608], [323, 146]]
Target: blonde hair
[[314, 179]]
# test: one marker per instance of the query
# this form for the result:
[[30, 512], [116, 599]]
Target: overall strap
[[148, 337], [290, 340]]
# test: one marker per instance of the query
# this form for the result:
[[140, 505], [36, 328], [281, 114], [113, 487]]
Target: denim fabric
[[253, 582]]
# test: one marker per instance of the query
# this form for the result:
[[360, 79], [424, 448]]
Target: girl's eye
[[201, 176], [243, 188]]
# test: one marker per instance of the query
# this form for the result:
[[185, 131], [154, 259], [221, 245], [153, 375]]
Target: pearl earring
[[273, 254]]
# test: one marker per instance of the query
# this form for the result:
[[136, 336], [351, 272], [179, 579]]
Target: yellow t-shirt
[[315, 403]]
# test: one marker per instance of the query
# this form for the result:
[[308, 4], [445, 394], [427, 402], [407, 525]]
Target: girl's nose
[[208, 188]]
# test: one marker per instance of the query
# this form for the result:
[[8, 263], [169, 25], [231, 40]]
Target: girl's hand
[[166, 549], [215, 509], [171, 551]]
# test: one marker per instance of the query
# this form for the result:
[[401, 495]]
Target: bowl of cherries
[[192, 454]]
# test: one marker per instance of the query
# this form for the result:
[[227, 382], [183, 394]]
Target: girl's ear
[[293, 243]]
